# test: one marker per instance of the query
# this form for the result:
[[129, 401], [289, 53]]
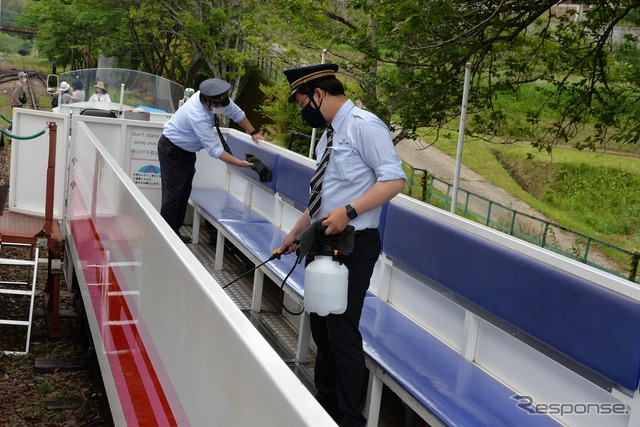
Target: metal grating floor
[[271, 324]]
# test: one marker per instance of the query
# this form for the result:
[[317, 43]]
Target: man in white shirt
[[362, 173], [190, 129]]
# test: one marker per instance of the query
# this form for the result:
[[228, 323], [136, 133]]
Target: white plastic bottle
[[325, 286]]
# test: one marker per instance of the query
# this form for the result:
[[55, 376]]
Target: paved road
[[442, 166]]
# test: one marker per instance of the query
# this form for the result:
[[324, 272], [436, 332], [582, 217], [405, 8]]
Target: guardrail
[[604, 256]]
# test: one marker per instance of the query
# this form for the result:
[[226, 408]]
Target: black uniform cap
[[299, 76]]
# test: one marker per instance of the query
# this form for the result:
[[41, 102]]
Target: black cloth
[[177, 168], [307, 238], [340, 372], [313, 239], [263, 170]]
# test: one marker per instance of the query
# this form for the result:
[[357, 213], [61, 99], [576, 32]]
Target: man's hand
[[336, 221], [257, 137], [289, 245]]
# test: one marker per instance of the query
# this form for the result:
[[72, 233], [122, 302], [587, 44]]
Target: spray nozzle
[[328, 250]]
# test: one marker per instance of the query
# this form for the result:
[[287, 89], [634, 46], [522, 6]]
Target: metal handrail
[[509, 222]]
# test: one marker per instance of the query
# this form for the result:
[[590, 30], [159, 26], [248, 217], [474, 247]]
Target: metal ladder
[[24, 288]]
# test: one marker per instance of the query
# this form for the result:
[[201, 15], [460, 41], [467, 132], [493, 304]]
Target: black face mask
[[312, 116]]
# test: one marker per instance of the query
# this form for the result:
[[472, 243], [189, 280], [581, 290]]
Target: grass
[[599, 182], [45, 387], [28, 62]]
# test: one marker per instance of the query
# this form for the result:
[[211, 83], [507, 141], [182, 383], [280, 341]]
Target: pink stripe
[[152, 394], [91, 255], [86, 248], [145, 374]]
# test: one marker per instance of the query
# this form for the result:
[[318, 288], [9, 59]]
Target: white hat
[[64, 86], [22, 74]]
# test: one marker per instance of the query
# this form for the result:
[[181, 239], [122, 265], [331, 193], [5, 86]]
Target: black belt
[[366, 230], [167, 140]]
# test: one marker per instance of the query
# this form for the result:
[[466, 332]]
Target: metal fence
[[537, 231], [270, 67]]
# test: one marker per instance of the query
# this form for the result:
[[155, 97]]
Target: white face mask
[[217, 110]]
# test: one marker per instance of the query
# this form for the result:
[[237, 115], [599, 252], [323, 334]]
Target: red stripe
[[137, 407]]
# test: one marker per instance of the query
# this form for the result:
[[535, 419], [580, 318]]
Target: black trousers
[[340, 372], [177, 168]]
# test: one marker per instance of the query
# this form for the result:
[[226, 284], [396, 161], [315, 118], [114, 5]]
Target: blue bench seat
[[261, 239], [222, 206], [570, 315], [217, 205], [257, 238], [253, 234], [455, 390], [575, 321]]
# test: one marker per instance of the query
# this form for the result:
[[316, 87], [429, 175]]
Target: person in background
[[65, 93], [363, 171], [100, 94], [19, 98], [78, 91], [190, 129]]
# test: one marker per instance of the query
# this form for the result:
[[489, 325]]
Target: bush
[[606, 199]]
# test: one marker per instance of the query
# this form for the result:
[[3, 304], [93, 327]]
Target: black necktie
[[317, 178], [216, 122]]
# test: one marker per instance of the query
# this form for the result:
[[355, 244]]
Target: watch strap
[[351, 212]]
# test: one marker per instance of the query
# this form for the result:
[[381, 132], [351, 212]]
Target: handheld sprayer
[[325, 278]]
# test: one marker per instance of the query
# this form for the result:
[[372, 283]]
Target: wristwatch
[[254, 131], [351, 212]]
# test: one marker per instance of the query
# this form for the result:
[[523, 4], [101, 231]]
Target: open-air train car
[[468, 326]]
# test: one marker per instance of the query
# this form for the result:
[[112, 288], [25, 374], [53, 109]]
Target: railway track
[[36, 86]]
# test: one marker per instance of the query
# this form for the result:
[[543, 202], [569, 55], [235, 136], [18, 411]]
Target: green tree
[[409, 57], [185, 41], [75, 33], [212, 35], [288, 126]]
